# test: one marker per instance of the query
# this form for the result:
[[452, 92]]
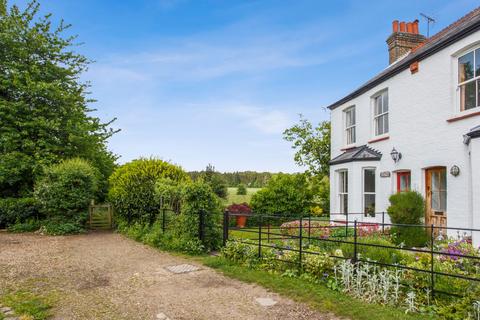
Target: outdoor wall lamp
[[396, 156]]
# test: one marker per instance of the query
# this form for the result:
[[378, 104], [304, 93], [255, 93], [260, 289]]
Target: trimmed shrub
[[17, 210], [408, 208], [132, 188], [66, 188], [241, 190]]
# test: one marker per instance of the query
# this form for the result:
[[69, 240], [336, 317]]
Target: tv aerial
[[429, 20]]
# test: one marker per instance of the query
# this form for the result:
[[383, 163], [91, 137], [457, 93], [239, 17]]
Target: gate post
[[226, 224]]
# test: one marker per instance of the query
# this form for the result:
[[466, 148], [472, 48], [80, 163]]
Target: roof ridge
[[454, 32], [454, 24]]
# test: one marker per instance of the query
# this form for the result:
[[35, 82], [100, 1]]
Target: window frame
[[383, 114], [374, 193], [342, 178], [350, 128], [475, 79]]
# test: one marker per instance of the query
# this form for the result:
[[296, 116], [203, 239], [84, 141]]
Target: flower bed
[[398, 287]]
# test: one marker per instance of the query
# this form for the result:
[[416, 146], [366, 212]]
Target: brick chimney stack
[[405, 37]]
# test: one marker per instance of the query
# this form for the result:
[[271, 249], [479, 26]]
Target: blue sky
[[199, 82]]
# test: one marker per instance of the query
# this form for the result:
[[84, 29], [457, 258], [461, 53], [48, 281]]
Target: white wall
[[419, 106], [475, 185]]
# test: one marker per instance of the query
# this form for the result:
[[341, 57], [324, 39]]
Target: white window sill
[[465, 114], [379, 138], [349, 146]]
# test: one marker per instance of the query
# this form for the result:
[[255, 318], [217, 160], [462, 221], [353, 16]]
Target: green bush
[[284, 195], [27, 226], [383, 255], [60, 225], [17, 210], [182, 230], [66, 188], [60, 228], [198, 197], [408, 208], [241, 190], [132, 188]]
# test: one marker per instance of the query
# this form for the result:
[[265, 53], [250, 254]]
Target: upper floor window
[[469, 80], [350, 125], [380, 113]]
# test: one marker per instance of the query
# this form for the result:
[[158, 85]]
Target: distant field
[[234, 198]]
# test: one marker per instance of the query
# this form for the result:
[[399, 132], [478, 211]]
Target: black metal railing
[[266, 234]]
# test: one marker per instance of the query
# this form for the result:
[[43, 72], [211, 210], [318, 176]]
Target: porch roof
[[361, 153]]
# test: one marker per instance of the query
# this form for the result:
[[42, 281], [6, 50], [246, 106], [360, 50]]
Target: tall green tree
[[215, 181], [44, 107], [312, 145]]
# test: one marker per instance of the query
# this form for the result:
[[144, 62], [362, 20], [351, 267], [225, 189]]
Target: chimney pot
[[395, 25], [415, 26], [410, 27], [405, 38]]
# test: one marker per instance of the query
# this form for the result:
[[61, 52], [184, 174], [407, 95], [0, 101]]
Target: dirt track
[[106, 276]]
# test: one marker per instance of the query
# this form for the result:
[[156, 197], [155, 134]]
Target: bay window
[[369, 191], [343, 190], [469, 80]]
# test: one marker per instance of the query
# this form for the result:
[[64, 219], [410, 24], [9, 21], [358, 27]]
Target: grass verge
[[233, 197], [28, 305], [315, 295]]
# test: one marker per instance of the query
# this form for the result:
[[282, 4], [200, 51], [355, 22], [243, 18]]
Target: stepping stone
[[266, 302], [10, 318], [182, 268], [9, 313], [5, 309], [162, 316]]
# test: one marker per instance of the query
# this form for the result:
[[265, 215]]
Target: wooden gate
[[100, 216]]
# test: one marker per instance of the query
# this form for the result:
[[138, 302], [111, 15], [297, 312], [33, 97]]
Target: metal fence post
[[309, 226], [432, 276], [346, 224], [260, 237], [383, 222], [163, 220], [300, 242], [355, 241], [226, 224], [268, 231]]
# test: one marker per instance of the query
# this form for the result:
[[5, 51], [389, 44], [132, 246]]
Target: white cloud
[[261, 119]]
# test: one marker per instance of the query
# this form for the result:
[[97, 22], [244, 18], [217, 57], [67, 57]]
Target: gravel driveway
[[107, 276]]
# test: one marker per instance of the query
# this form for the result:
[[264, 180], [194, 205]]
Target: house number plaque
[[385, 174]]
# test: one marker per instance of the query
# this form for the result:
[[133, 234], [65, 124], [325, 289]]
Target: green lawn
[[316, 295], [233, 197]]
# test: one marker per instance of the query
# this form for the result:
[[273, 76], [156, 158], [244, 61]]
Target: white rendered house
[[415, 126]]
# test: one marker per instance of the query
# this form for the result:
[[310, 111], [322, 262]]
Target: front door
[[436, 198]]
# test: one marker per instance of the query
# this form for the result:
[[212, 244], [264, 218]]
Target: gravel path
[[107, 276]]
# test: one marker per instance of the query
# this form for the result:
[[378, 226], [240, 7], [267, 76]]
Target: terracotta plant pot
[[241, 221]]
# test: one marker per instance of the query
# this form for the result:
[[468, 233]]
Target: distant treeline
[[251, 179]]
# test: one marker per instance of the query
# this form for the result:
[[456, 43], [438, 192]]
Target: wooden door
[[436, 198]]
